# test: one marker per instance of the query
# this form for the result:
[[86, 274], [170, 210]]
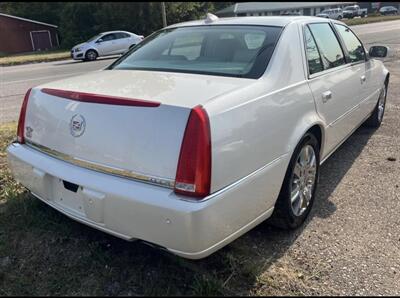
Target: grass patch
[[33, 57], [42, 252], [370, 19]]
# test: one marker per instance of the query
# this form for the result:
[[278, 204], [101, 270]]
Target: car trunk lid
[[138, 133]]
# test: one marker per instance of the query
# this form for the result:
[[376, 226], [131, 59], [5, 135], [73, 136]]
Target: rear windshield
[[239, 51]]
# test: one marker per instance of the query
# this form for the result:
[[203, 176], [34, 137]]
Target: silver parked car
[[388, 10], [333, 13], [105, 44]]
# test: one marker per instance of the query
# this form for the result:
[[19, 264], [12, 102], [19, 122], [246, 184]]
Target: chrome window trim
[[98, 167]]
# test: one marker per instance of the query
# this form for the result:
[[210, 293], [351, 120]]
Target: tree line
[[78, 21]]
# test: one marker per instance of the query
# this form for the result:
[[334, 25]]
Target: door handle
[[327, 95], [363, 79]]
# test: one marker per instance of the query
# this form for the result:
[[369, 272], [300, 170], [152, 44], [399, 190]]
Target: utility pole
[[164, 15]]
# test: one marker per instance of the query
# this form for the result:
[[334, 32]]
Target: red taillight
[[193, 175], [21, 121]]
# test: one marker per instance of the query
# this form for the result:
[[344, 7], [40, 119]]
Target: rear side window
[[120, 35], [328, 45], [313, 56], [353, 45]]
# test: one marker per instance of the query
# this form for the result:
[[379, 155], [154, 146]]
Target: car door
[[106, 45], [122, 41], [334, 85], [359, 61]]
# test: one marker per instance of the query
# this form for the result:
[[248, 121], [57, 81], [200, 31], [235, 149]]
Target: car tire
[[91, 55], [289, 212], [339, 17], [376, 117]]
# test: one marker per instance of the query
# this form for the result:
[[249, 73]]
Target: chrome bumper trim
[[164, 182]]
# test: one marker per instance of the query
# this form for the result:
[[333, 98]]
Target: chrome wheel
[[303, 180], [381, 104]]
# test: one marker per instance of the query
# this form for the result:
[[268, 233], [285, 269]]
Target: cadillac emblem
[[77, 125]]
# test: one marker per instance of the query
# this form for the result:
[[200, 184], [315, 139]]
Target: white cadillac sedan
[[202, 131], [105, 44]]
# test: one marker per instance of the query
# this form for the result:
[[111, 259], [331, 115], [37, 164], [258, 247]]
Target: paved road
[[385, 33], [15, 80]]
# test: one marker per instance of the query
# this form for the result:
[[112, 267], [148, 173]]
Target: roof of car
[[280, 21], [116, 31]]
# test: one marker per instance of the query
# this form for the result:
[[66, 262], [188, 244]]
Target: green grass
[[370, 19], [34, 57], [42, 252]]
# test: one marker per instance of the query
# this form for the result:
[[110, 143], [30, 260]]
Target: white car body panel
[[255, 126]]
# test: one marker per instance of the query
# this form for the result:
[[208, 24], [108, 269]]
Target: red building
[[19, 35]]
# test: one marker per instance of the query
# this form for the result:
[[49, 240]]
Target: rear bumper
[[133, 210]]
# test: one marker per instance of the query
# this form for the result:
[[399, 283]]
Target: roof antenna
[[211, 18]]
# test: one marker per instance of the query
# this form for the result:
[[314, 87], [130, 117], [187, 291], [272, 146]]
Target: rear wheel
[[298, 190], [376, 117], [91, 55]]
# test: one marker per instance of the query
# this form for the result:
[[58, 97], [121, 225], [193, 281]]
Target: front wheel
[[298, 190], [376, 117], [91, 55]]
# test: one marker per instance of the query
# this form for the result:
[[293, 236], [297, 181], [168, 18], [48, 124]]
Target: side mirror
[[99, 40], [378, 51]]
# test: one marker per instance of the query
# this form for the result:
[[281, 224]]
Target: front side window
[[108, 37], [353, 45], [328, 45], [313, 56], [236, 50]]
